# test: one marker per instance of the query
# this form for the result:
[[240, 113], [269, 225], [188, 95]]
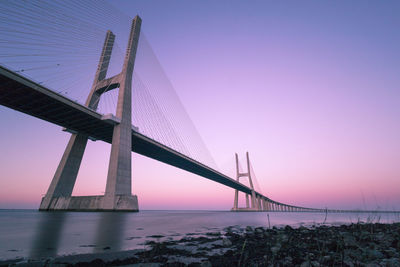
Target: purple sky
[[310, 89]]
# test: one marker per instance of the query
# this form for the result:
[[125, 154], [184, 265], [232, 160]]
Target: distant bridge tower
[[118, 195], [254, 200]]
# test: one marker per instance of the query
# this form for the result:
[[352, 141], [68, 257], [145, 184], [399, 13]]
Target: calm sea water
[[33, 234]]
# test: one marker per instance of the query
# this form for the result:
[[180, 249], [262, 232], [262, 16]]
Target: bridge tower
[[254, 201], [118, 195]]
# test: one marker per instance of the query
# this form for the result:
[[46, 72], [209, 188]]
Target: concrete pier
[[255, 200], [118, 196]]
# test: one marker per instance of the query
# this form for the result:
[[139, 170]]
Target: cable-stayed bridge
[[132, 118], [22, 94]]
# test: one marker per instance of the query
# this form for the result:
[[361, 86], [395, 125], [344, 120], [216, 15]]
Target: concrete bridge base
[[118, 194], [245, 209], [90, 203]]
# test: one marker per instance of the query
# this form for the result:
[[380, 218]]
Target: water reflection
[[110, 231], [48, 233], [60, 232]]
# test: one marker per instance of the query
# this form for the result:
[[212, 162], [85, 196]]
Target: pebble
[[275, 249]]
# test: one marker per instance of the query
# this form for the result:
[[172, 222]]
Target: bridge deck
[[24, 95]]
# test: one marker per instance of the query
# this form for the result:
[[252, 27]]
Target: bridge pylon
[[118, 195], [255, 202]]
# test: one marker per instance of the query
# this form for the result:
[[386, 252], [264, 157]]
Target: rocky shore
[[347, 245]]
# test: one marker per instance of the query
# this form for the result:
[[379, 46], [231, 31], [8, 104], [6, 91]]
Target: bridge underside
[[19, 93], [24, 95]]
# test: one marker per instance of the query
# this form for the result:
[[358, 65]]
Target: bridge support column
[[65, 177], [236, 200], [118, 194], [119, 178], [255, 201]]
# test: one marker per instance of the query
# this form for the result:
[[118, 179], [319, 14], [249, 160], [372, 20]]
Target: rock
[[364, 235], [348, 262], [205, 264], [218, 243], [288, 261], [397, 245], [305, 264], [149, 264], [380, 236], [326, 258], [57, 265], [349, 241], [391, 252], [259, 230], [226, 242], [374, 254], [288, 228], [249, 229], [275, 249], [25, 263], [283, 238], [393, 262]]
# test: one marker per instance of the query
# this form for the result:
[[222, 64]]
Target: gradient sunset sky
[[310, 88]]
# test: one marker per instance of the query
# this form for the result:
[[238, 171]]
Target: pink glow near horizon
[[312, 94]]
